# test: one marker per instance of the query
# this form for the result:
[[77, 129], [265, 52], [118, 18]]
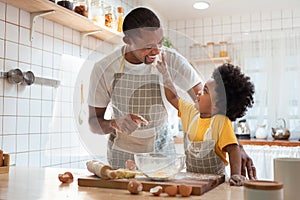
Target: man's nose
[[156, 50]]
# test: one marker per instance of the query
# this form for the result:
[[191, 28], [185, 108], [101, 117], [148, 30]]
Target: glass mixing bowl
[[157, 166]]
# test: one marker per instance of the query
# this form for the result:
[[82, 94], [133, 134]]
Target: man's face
[[144, 49]]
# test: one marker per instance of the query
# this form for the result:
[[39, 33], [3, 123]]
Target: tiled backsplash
[[230, 28], [37, 123]]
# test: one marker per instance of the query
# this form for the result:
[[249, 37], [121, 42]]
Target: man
[[128, 80]]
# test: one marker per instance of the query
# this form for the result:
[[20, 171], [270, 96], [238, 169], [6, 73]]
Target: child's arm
[[170, 90], [235, 164]]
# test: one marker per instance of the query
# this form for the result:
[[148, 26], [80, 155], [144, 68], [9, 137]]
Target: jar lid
[[223, 42], [263, 185], [120, 9], [196, 45]]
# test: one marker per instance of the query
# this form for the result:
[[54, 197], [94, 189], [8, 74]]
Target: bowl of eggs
[[158, 166]]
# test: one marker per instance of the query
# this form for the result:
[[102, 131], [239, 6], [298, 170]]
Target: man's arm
[[97, 122], [124, 124]]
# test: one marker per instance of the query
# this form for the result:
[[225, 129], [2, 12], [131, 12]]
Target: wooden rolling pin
[[101, 170]]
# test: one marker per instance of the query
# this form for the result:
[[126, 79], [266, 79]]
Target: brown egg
[[171, 190], [185, 190], [67, 177], [156, 191], [130, 164], [134, 187]]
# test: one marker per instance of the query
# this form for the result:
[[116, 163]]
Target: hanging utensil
[[28, 78], [81, 111], [15, 76]]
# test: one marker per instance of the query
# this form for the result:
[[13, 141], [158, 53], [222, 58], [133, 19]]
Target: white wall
[[38, 123]]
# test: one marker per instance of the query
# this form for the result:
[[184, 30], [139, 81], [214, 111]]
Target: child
[[208, 124]]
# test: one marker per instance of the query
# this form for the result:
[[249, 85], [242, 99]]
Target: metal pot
[[281, 133]]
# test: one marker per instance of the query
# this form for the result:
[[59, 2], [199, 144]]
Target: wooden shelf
[[214, 60], [67, 18]]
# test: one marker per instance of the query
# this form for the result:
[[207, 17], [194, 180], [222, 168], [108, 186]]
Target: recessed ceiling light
[[201, 5]]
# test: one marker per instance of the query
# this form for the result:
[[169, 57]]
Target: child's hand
[[161, 65], [237, 180]]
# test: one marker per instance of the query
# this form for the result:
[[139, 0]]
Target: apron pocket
[[133, 144]]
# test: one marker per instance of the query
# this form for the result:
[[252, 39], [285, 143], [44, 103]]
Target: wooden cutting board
[[200, 183]]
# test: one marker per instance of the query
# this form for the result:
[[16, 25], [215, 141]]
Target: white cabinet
[[263, 156]]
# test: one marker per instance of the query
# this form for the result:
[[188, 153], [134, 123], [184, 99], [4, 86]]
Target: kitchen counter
[[42, 183], [271, 142], [253, 141]]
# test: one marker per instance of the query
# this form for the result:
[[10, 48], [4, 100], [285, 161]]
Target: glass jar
[[97, 12], [261, 190], [109, 17], [66, 4], [210, 49], [120, 19], [195, 51], [223, 49], [81, 7]]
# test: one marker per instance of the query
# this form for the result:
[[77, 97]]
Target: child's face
[[205, 99]]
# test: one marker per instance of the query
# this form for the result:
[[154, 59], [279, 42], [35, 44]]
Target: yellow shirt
[[223, 135]]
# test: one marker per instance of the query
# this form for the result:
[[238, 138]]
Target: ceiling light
[[201, 5]]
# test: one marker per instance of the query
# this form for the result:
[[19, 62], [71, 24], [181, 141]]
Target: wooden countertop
[[42, 183], [270, 142]]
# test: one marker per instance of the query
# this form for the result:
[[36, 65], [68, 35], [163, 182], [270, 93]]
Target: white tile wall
[[2, 10], [11, 51], [1, 48], [12, 14], [11, 30], [36, 122]]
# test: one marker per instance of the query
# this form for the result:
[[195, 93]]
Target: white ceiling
[[183, 9]]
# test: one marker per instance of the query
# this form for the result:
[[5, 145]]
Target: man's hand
[[247, 165], [128, 123]]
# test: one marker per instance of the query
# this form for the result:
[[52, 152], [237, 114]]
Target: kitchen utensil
[[286, 170], [261, 132], [101, 170], [242, 129], [81, 114], [28, 78], [200, 183], [160, 167], [15, 76], [281, 133]]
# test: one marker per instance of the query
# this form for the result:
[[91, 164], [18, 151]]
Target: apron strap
[[192, 122], [121, 69]]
